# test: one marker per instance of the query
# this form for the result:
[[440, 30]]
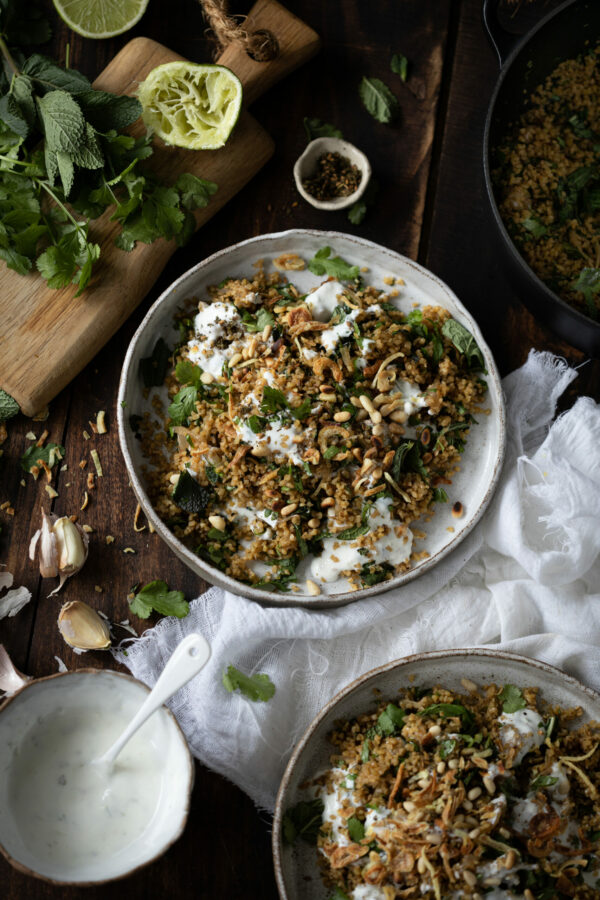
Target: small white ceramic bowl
[[297, 868], [306, 165], [34, 706]]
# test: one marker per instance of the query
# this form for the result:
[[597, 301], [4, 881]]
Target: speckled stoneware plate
[[481, 462], [296, 867]]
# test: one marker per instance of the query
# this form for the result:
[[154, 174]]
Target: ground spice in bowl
[[335, 176]]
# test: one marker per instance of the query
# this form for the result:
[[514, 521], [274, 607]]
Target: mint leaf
[[588, 283], [62, 122], [534, 226], [445, 748], [512, 699], [186, 372], [106, 111], [378, 100], [259, 322], [50, 454], [465, 343], [303, 820], [157, 596], [357, 212], [323, 263], [8, 406], [153, 369], [191, 496], [314, 128], [543, 781], [399, 65], [254, 687], [49, 76], [449, 710]]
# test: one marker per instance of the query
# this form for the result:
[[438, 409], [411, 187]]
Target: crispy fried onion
[[321, 363], [345, 856]]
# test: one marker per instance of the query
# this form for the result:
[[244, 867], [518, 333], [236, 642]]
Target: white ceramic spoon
[[187, 659]]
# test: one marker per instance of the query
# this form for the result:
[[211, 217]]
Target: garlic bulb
[[62, 550], [82, 627], [11, 680]]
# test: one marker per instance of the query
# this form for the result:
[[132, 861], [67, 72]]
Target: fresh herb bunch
[[65, 160]]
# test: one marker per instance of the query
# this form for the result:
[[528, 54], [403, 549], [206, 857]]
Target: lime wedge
[[100, 18], [191, 105]]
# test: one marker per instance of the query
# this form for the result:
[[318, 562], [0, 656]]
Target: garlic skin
[[11, 680], [62, 550], [82, 627]]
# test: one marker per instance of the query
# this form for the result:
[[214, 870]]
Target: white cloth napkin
[[527, 578]]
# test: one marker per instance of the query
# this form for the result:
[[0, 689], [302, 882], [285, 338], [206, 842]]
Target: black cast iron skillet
[[525, 62]]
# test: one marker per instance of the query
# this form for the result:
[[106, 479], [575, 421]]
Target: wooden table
[[430, 207]]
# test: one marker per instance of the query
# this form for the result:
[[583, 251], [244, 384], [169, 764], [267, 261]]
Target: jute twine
[[260, 45]]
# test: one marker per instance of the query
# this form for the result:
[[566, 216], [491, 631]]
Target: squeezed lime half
[[192, 105], [100, 18]]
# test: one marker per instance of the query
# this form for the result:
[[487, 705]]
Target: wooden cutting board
[[47, 336]]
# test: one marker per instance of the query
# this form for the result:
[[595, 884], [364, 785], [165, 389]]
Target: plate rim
[[424, 656], [216, 577]]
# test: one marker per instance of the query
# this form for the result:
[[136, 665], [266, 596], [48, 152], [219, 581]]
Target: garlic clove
[[11, 680], [45, 542], [72, 553], [82, 627]]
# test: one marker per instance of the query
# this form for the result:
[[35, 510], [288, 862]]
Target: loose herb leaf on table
[[378, 100], [157, 596], [314, 128], [50, 454], [399, 65], [255, 687]]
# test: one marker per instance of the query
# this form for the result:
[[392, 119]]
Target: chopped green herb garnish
[[314, 128], [512, 699], [50, 454], [254, 687], [399, 65], [465, 343], [356, 829], [153, 369], [157, 596], [323, 263], [183, 405], [303, 821]]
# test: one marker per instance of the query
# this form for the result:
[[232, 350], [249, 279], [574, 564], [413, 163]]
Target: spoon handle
[[189, 657]]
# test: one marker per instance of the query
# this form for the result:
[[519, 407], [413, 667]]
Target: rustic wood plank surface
[[430, 203]]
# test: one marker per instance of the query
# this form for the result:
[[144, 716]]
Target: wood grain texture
[[225, 850], [49, 335]]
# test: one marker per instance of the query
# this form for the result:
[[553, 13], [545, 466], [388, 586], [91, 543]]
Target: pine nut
[[387, 408], [467, 805], [421, 867], [489, 784], [366, 403], [252, 347], [362, 415], [312, 588], [376, 417], [474, 834], [409, 806], [435, 730], [453, 764], [313, 523], [376, 473], [267, 332], [470, 877], [328, 501], [378, 430], [441, 768], [218, 522], [395, 428], [327, 398], [174, 478], [510, 859], [290, 508], [474, 793], [260, 451], [379, 399], [355, 401], [343, 416], [399, 416], [235, 359], [504, 832], [469, 685], [207, 378]]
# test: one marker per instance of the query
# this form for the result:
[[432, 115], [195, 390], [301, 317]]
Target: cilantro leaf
[[302, 411], [356, 829], [187, 372], [50, 454], [259, 322], [445, 748], [194, 192], [357, 212], [374, 573], [272, 400], [378, 100], [512, 699], [542, 781], [534, 226], [588, 283], [323, 263], [399, 65], [257, 424], [8, 406], [303, 820], [254, 687], [183, 405], [465, 343], [153, 369], [157, 596], [314, 128], [191, 496], [391, 720]]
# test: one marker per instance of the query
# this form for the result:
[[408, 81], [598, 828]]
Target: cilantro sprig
[[64, 161], [157, 596], [323, 263]]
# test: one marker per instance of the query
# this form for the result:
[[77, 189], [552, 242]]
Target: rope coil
[[260, 45]]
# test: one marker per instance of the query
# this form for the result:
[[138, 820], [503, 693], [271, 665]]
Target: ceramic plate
[[296, 867], [481, 462]]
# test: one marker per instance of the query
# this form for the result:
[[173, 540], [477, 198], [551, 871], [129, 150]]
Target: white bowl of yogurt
[[65, 820]]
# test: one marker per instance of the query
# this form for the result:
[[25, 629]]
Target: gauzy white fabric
[[526, 579]]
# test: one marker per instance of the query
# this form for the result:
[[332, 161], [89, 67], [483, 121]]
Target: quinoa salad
[[308, 433], [488, 794], [547, 182]]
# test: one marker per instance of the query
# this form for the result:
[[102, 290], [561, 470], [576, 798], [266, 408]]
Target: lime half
[[100, 18], [191, 105]]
